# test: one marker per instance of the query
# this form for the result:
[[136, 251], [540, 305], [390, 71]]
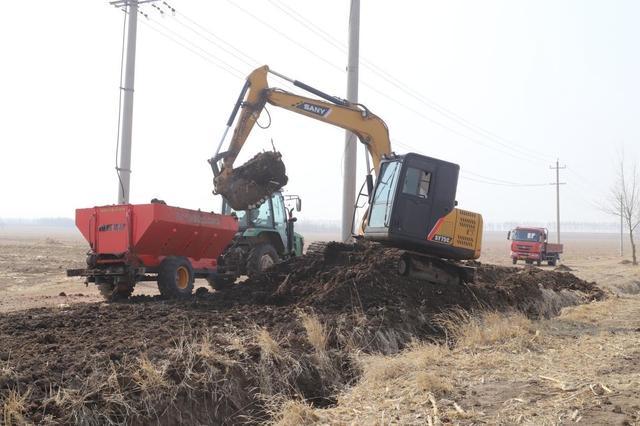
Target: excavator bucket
[[249, 185]]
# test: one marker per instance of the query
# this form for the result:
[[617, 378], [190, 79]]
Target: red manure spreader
[[151, 242]]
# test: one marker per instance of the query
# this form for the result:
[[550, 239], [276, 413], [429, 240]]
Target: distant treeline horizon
[[333, 226]]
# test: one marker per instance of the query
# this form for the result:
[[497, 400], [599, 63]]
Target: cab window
[[416, 182], [278, 209], [260, 217], [383, 197]]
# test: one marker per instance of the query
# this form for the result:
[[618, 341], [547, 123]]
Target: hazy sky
[[502, 88]]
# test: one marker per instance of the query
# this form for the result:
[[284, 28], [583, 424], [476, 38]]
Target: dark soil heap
[[347, 276], [201, 360], [252, 183]]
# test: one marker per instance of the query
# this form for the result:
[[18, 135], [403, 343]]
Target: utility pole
[[557, 184], [130, 7], [350, 151]]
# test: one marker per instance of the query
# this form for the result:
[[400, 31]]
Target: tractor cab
[[265, 236], [272, 220]]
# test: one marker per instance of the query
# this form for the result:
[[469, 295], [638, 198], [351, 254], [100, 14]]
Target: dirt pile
[[348, 276], [220, 357], [250, 184]]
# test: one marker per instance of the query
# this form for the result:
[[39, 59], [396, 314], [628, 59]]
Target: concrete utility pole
[[350, 151], [557, 184], [126, 114], [130, 7]]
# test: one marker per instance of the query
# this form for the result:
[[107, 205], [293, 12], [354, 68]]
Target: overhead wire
[[404, 87], [206, 55], [237, 73], [372, 88], [250, 62], [486, 179]]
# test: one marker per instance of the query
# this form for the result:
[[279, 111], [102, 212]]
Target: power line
[[237, 73], [206, 55], [372, 88], [405, 88], [251, 62], [501, 183], [485, 179]]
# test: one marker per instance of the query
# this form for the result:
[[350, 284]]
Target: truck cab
[[531, 245], [265, 236]]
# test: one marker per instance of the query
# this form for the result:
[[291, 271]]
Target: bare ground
[[581, 366]]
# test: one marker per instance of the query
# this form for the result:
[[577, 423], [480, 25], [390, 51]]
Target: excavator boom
[[370, 129]]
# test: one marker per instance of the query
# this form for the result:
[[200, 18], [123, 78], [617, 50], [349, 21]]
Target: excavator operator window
[[416, 182], [383, 197]]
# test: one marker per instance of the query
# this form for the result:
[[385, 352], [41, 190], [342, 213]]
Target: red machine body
[[530, 244], [144, 234]]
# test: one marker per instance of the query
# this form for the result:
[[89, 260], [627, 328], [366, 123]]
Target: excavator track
[[410, 263], [434, 269]]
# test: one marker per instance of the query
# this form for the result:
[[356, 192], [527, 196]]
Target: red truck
[[531, 245]]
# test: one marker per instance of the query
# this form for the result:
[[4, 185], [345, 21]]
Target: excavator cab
[[413, 208]]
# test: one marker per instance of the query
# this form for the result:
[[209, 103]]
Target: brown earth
[[253, 182], [224, 357]]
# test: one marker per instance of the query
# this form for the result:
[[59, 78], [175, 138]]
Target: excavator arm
[[370, 129], [412, 206]]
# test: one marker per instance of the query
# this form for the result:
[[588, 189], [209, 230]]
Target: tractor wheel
[[261, 258], [219, 283], [175, 277], [110, 293], [514, 260], [538, 262]]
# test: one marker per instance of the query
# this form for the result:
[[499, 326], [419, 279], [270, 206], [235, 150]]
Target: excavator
[[411, 204]]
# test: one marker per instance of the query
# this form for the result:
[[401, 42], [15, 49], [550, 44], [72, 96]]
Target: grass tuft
[[511, 331], [294, 413], [316, 332], [269, 347], [14, 407]]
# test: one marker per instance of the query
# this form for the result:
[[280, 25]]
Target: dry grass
[[379, 369], [512, 331], [14, 408], [506, 369], [269, 347], [234, 343], [294, 413], [207, 349], [592, 312], [316, 332], [150, 377], [430, 382]]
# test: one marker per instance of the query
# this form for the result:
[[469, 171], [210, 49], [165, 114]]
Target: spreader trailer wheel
[[113, 292], [175, 277]]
